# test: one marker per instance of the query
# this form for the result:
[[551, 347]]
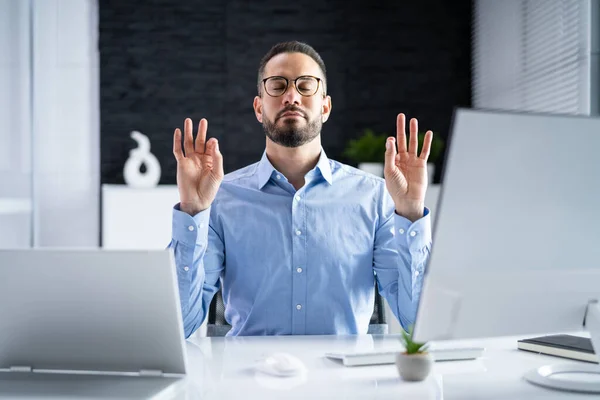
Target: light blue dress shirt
[[299, 262]]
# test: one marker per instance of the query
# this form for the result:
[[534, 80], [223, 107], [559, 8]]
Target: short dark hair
[[290, 47]]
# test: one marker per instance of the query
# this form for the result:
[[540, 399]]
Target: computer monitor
[[91, 311], [516, 240]]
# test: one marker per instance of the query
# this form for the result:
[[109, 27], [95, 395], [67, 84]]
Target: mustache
[[291, 109]]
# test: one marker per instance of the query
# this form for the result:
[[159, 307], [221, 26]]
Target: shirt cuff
[[190, 230], [413, 235]]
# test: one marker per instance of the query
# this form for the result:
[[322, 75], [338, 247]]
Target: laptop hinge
[[20, 368], [151, 372]]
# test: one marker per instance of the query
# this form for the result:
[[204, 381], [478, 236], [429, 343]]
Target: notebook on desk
[[566, 346]]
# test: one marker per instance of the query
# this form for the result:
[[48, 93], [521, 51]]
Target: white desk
[[222, 368]]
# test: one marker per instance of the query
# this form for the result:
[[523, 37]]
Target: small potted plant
[[368, 151], [414, 364]]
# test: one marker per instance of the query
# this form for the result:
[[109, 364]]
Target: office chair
[[218, 326]]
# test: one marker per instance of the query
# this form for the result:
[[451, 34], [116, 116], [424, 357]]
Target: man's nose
[[291, 95]]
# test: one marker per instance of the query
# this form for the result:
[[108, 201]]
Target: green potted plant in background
[[414, 363], [368, 151]]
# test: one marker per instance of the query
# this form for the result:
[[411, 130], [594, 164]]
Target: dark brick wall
[[162, 61]]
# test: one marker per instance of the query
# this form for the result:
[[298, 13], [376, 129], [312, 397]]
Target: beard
[[291, 134]]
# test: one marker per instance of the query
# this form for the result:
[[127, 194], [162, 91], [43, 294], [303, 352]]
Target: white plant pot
[[430, 172], [414, 367], [372, 168]]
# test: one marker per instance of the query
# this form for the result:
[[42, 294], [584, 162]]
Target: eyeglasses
[[306, 85]]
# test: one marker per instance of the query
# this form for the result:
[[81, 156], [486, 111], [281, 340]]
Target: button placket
[[299, 242]]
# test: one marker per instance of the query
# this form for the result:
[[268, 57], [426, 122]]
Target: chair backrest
[[218, 326], [216, 312]]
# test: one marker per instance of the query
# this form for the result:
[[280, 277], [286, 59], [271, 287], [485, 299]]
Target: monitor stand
[[543, 376]]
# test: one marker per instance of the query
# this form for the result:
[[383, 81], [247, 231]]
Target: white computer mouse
[[281, 364]]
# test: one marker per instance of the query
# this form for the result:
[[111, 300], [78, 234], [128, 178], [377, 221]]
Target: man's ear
[[258, 108], [326, 108]]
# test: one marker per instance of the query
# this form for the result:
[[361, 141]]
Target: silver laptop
[[92, 311]]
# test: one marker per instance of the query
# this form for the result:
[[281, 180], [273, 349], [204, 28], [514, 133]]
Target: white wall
[[595, 58], [49, 123], [66, 123], [15, 127]]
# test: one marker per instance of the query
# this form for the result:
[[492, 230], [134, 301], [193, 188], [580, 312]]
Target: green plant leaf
[[410, 345], [437, 146], [370, 147], [367, 148]]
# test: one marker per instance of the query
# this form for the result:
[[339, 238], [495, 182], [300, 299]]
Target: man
[[297, 240]]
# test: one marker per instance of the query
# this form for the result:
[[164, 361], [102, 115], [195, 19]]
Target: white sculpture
[[138, 156]]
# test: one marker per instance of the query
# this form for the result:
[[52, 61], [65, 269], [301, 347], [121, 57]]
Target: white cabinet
[[137, 218]]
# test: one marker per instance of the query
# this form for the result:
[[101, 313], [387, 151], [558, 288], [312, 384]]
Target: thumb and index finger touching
[[200, 146]]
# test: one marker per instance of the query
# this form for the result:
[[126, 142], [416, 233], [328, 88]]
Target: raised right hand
[[199, 170]]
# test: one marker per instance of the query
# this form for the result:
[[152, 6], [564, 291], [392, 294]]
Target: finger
[[217, 158], [390, 154], [177, 145], [188, 139], [401, 133], [413, 142], [426, 145], [201, 135]]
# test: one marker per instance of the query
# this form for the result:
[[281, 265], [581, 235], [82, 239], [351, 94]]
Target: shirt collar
[[265, 169]]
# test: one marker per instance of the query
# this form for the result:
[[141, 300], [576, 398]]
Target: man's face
[[292, 119]]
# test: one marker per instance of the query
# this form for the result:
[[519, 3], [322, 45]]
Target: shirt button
[[416, 273], [299, 270], [401, 230], [298, 306], [201, 225], [278, 176], [413, 233], [297, 198], [298, 233], [190, 228], [186, 268]]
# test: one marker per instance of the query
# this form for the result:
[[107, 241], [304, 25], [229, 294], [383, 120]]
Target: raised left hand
[[405, 171]]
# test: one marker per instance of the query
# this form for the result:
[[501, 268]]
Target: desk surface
[[222, 368]]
